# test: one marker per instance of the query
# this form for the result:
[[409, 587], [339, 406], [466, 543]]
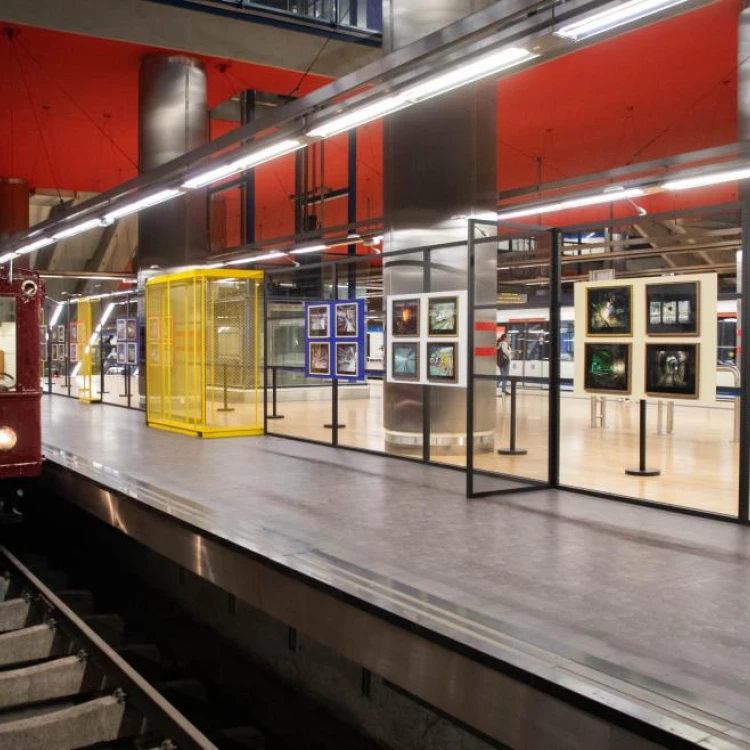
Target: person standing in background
[[504, 356]]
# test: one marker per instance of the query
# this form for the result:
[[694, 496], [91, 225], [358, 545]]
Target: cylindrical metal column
[[439, 169], [173, 119]]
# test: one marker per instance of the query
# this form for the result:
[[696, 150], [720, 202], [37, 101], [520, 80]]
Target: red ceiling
[[665, 89]]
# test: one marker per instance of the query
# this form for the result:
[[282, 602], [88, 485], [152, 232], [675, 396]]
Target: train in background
[[22, 344], [528, 334]]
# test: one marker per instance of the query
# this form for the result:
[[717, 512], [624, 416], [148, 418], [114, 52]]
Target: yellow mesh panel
[[85, 375], [202, 359]]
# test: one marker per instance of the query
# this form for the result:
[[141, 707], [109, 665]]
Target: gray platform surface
[[658, 600]]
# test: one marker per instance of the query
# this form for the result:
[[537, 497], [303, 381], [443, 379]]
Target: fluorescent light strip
[[266, 256], [588, 200], [77, 229], [57, 313], [38, 244], [715, 178], [310, 249], [360, 116], [151, 200], [8, 256], [460, 76], [613, 18], [472, 71], [238, 165]]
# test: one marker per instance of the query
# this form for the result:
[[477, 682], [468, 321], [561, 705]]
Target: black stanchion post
[[335, 398], [226, 406], [274, 414], [512, 450], [642, 470]]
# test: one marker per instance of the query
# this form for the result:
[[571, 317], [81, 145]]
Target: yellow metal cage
[[203, 352]]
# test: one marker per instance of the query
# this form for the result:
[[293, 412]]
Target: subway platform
[[634, 618]]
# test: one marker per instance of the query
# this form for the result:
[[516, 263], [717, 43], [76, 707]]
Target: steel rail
[[159, 712]]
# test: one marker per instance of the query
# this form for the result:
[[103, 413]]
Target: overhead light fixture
[[458, 76], [309, 249], [468, 73], [37, 245], [77, 229], [8, 256], [148, 201], [359, 116], [56, 314], [238, 165], [608, 196], [715, 178], [613, 18], [255, 259]]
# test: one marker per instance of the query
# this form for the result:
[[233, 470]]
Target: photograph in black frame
[[673, 309], [443, 316], [607, 368], [405, 361], [609, 310], [672, 370], [442, 365], [405, 317]]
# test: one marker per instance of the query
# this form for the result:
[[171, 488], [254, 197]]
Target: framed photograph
[[73, 353], [609, 311], [320, 359], [672, 370], [42, 352], [318, 322], [405, 361], [53, 333], [442, 362], [443, 316], [121, 353], [61, 333], [405, 318], [132, 354], [121, 329], [74, 333], [607, 368], [673, 309], [42, 334], [153, 329], [153, 353], [347, 322], [55, 353], [131, 329], [347, 358]]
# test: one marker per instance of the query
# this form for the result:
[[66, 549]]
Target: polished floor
[[654, 599], [698, 461]]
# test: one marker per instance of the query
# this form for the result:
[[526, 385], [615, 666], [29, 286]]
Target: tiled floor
[[658, 599]]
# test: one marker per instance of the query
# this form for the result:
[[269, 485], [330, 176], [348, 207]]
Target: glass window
[[8, 340]]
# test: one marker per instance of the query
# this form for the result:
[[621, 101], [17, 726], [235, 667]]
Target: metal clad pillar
[[14, 211], [173, 119], [439, 169]]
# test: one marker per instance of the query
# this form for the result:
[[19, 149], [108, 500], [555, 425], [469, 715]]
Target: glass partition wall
[[620, 337]]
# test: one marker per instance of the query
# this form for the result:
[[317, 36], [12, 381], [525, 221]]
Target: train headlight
[[8, 438]]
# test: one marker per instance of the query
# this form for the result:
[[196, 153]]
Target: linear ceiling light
[[36, 245], [245, 162], [468, 73], [715, 178], [609, 196], [309, 249], [77, 229], [459, 76], [8, 256], [613, 18], [255, 259], [151, 200]]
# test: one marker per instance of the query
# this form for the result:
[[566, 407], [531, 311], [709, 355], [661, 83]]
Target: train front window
[[8, 343]]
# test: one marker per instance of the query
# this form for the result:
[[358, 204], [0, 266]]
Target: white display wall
[[639, 338]]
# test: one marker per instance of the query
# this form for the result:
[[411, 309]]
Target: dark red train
[[22, 338]]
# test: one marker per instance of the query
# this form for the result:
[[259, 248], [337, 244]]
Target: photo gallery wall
[[424, 335], [127, 341], [644, 337], [63, 346], [335, 340]]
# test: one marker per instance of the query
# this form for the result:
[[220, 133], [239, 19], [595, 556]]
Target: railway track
[[65, 681]]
